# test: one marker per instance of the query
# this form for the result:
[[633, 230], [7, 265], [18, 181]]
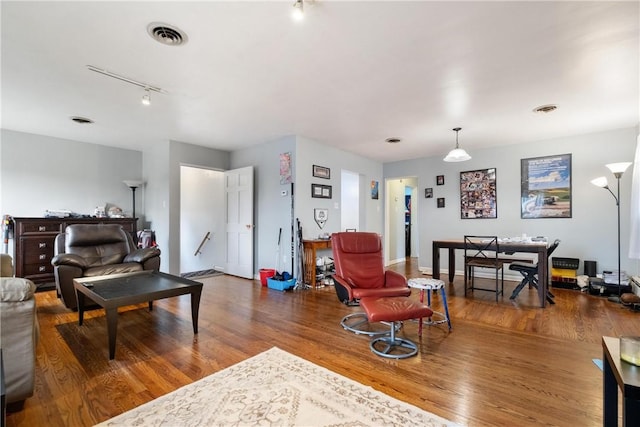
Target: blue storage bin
[[281, 285]]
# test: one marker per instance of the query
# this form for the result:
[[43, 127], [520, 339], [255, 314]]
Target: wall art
[[545, 184], [440, 180], [321, 172], [320, 191], [478, 194], [428, 193]]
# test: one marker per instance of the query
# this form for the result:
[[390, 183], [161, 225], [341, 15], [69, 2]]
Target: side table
[[425, 284], [619, 374]]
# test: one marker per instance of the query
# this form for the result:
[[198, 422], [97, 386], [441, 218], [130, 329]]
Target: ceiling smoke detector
[[81, 120], [545, 108], [167, 34], [392, 140]]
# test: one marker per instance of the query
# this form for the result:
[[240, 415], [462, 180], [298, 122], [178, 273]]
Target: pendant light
[[457, 154]]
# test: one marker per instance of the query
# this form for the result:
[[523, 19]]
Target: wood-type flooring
[[504, 364]]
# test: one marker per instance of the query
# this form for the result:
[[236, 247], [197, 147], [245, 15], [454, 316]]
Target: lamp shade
[[600, 182], [618, 167], [133, 183], [457, 155]]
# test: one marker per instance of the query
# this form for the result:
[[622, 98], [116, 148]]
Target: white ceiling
[[350, 75]]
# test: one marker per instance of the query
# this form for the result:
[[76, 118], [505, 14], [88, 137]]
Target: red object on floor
[[265, 273]]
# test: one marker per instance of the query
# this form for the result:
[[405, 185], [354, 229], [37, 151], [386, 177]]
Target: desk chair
[[530, 274], [482, 251]]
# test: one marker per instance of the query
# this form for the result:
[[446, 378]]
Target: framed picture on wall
[[545, 187], [321, 172], [478, 194], [440, 180], [320, 191], [441, 202], [428, 193]]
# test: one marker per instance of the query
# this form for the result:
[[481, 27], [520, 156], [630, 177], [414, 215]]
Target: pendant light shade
[[457, 154]]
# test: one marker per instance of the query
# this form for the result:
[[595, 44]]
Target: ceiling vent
[[545, 108], [81, 120], [392, 140], [166, 34]]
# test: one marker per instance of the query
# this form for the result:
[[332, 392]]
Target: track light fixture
[[298, 11], [146, 98]]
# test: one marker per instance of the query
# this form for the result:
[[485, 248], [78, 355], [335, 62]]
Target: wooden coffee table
[[118, 290]]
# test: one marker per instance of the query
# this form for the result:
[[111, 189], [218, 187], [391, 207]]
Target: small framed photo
[[441, 202], [440, 180], [321, 172], [320, 191], [428, 193]]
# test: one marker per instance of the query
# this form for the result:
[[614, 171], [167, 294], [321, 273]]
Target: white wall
[[271, 210], [591, 233], [39, 173]]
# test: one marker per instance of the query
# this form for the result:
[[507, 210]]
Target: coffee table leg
[[112, 328], [80, 301], [195, 307]]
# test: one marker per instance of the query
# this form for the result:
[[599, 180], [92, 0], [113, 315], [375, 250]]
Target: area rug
[[276, 388]]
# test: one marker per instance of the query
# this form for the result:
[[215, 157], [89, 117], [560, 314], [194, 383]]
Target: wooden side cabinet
[[33, 243]]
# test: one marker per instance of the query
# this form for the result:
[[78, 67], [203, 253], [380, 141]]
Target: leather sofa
[[88, 250], [19, 334]]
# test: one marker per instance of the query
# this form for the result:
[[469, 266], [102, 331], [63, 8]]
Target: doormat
[[201, 274]]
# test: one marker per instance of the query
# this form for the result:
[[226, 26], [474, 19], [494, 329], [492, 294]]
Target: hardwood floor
[[504, 364]]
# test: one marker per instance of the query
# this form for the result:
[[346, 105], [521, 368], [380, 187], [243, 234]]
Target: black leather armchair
[[88, 250]]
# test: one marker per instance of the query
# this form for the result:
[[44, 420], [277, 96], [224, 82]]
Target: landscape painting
[[546, 187]]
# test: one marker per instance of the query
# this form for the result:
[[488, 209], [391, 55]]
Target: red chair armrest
[[394, 280]]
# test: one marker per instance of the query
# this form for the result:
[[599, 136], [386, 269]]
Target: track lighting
[[298, 11], [146, 98]]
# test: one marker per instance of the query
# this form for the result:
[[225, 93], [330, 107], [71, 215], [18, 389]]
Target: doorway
[[401, 219], [202, 224]]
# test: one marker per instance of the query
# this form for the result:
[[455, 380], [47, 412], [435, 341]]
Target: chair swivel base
[[392, 347], [359, 324]]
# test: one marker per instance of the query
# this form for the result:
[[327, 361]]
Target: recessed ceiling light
[[167, 34], [392, 140], [545, 108], [81, 120]]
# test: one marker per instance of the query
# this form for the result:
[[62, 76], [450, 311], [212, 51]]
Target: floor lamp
[[617, 169], [133, 184]]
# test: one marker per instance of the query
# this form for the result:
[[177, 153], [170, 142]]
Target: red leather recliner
[[360, 273]]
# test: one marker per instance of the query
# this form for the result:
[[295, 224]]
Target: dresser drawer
[[40, 227], [35, 269], [38, 245]]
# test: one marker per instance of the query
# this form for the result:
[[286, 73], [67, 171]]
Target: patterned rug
[[276, 388]]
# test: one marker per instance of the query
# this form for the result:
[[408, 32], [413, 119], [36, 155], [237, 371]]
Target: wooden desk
[[310, 248], [619, 374], [538, 248]]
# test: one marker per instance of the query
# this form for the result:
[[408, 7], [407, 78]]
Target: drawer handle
[[42, 268], [43, 256], [42, 245], [42, 228]]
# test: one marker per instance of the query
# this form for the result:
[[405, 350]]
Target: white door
[[239, 219]]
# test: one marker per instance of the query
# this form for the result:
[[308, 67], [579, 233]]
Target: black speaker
[[590, 268]]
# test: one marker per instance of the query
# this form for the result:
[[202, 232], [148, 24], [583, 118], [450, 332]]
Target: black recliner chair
[[88, 250], [530, 273]]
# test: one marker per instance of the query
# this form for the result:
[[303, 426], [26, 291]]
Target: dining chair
[[482, 252], [530, 274]]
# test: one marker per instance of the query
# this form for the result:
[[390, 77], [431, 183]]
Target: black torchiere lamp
[[617, 169], [133, 184]]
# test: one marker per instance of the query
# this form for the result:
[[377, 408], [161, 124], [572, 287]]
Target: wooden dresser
[[33, 244]]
